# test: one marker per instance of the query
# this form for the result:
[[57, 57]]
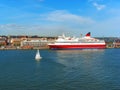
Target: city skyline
[[54, 17]]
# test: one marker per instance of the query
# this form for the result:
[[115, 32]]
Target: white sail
[[38, 57]]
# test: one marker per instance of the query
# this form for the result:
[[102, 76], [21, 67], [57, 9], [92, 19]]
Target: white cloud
[[56, 22], [109, 27], [99, 6], [53, 23], [66, 17], [45, 29], [96, 4]]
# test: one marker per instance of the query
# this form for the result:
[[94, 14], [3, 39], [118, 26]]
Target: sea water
[[60, 70]]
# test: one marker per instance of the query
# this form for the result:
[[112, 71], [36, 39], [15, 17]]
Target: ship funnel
[[88, 34]]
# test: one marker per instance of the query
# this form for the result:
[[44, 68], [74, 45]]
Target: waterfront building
[[15, 41], [116, 43], [34, 42], [3, 41]]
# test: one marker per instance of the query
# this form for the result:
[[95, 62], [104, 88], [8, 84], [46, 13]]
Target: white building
[[34, 43]]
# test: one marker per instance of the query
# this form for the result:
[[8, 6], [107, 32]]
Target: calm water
[[60, 70]]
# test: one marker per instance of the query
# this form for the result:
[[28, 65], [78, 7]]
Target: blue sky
[[54, 17]]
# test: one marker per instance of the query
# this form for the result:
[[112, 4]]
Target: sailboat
[[37, 56]]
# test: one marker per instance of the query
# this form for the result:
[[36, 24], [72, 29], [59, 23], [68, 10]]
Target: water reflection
[[79, 58], [83, 64], [37, 60], [79, 51], [68, 55]]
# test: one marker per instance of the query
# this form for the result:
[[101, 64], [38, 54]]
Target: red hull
[[77, 46]]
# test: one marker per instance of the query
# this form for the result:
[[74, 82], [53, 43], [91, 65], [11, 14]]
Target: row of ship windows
[[79, 42]]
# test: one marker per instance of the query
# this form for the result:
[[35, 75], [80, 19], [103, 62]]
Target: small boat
[[37, 56]]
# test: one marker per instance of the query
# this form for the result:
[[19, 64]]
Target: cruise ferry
[[86, 42]]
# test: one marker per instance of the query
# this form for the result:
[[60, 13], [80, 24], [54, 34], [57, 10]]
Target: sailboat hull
[[38, 57]]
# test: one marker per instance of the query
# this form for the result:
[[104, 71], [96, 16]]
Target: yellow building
[[15, 41]]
